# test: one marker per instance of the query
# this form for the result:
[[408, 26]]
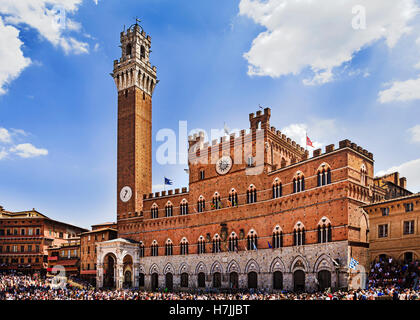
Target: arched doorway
[[155, 281], [128, 275], [277, 280], [201, 279], [252, 280], [141, 279], [299, 281], [234, 280], [217, 280], [169, 281], [324, 279], [127, 279], [109, 270], [184, 280]]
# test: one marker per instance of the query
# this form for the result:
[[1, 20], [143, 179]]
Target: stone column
[[100, 275], [136, 275], [119, 279]]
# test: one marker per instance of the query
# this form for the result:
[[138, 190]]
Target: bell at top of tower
[[134, 67]]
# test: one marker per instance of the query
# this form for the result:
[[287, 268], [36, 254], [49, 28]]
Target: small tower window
[[128, 50], [142, 52]]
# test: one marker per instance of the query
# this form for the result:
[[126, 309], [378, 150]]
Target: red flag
[[309, 142]]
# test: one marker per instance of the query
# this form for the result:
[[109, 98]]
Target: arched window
[[323, 175], [155, 249], [277, 237], [216, 204], [298, 183], [202, 176], [141, 251], [363, 175], [299, 234], [324, 231], [184, 207], [216, 244], [251, 194], [128, 50], [201, 248], [184, 246], [142, 52], [168, 247], [233, 198], [233, 242], [277, 189], [168, 209], [154, 211], [201, 204], [252, 240]]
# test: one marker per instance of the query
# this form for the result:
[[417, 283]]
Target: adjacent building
[[88, 241], [25, 237], [394, 228], [65, 258]]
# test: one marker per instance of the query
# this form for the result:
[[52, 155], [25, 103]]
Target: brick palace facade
[[258, 213]]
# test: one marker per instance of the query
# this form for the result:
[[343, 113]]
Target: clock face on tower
[[223, 165], [125, 194]]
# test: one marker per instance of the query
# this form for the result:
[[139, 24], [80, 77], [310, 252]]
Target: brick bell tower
[[135, 79]]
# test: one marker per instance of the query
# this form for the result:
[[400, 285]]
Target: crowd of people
[[388, 271], [388, 279]]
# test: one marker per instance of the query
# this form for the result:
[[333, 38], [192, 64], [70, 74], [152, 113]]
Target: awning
[[89, 272], [67, 262]]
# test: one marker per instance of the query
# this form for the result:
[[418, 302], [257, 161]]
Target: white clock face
[[125, 194], [223, 165]]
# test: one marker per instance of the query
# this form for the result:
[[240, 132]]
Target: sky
[[334, 69]]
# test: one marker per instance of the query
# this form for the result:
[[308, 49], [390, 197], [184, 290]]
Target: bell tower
[[135, 79]]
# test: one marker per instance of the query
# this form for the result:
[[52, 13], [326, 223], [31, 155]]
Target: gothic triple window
[[155, 249], [184, 207], [277, 237], [233, 243], [168, 210], [299, 184], [252, 240], [324, 231], [251, 195], [299, 234], [169, 248], [201, 204], [216, 244], [154, 211], [324, 176], [201, 245], [184, 246], [277, 189]]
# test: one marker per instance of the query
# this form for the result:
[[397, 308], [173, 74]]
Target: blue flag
[[168, 181], [269, 245], [353, 263]]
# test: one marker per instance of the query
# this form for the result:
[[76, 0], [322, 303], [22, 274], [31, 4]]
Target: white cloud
[[410, 170], [27, 150], [401, 91], [319, 35], [49, 17], [415, 133], [3, 153], [12, 60], [5, 136]]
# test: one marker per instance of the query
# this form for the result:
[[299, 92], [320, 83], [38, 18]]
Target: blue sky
[[217, 61]]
